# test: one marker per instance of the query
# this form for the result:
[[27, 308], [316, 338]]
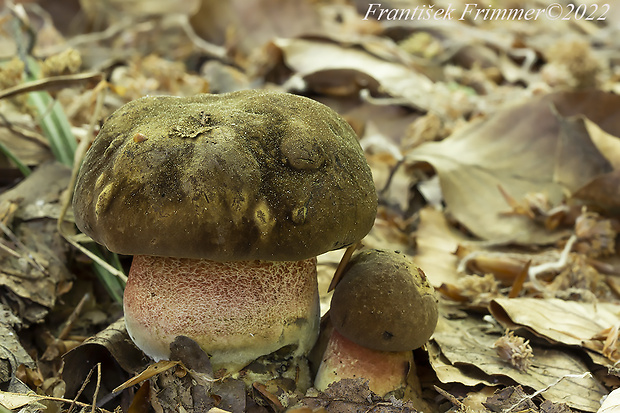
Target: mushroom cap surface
[[239, 176], [384, 302]]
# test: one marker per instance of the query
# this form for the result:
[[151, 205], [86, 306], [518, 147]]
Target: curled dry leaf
[[467, 345], [511, 148], [566, 322], [118, 356], [358, 69]]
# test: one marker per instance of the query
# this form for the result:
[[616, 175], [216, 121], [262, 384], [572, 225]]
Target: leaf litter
[[494, 148]]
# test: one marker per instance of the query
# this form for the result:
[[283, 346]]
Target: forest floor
[[492, 135]]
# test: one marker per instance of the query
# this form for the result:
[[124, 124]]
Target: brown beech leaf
[[577, 159], [566, 322], [467, 345], [251, 23], [602, 192], [318, 62], [437, 244], [532, 147], [117, 354]]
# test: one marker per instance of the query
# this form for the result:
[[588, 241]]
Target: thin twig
[[94, 405], [97, 259], [73, 317], [80, 391], [551, 266], [343, 263], [47, 83], [9, 250]]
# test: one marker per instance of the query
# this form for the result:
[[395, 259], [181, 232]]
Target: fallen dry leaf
[[577, 158], [436, 244], [17, 400], [523, 149], [467, 343], [560, 321], [601, 192], [356, 70], [611, 403], [118, 356]]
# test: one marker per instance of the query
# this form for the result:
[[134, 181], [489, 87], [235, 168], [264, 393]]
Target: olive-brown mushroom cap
[[239, 176], [384, 302]]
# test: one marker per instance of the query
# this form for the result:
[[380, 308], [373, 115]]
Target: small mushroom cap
[[384, 302], [238, 176]]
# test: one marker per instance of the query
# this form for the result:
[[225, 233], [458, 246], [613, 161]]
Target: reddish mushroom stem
[[236, 311], [386, 371]]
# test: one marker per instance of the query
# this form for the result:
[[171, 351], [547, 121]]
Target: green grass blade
[[52, 119], [55, 126], [23, 168], [112, 283]]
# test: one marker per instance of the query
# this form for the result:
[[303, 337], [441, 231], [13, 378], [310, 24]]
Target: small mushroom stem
[[386, 371], [236, 311]]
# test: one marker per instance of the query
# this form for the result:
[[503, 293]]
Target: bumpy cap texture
[[238, 176]]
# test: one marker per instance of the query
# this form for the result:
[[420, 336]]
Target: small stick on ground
[[343, 263]]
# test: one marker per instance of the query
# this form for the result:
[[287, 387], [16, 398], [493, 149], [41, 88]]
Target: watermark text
[[476, 11]]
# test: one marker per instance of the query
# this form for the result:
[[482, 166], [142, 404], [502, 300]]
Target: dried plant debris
[[13, 355], [352, 396], [515, 399], [515, 350], [32, 258]]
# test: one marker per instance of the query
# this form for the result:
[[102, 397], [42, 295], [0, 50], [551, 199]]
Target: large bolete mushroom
[[382, 309], [224, 201]]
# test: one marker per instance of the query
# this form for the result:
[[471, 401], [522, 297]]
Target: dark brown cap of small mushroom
[[384, 302], [239, 176]]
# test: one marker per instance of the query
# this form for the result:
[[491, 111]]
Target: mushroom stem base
[[386, 371], [236, 311]]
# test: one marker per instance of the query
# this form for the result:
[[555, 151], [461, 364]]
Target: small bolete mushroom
[[224, 201], [382, 309]]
